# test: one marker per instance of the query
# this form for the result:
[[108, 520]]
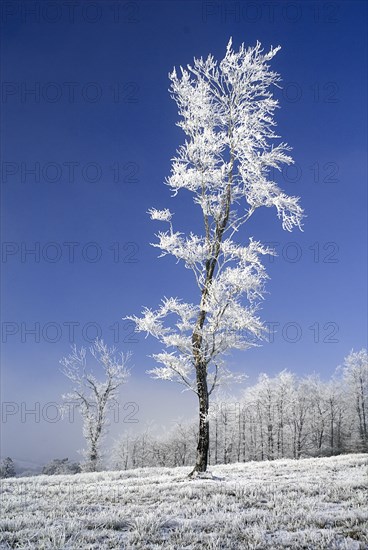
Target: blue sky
[[99, 132]]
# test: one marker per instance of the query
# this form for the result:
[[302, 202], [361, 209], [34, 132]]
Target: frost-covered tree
[[226, 162], [92, 396], [61, 466], [319, 415], [300, 416], [7, 468], [284, 389], [355, 371]]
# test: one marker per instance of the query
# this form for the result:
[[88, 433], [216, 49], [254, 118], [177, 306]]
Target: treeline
[[284, 416], [279, 417]]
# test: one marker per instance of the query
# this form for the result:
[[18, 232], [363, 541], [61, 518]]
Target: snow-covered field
[[312, 503]]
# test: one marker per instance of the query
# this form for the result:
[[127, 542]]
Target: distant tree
[[227, 163], [335, 406], [121, 455], [355, 372], [60, 466], [300, 416], [7, 468], [284, 391], [319, 411], [173, 447], [267, 407], [94, 397]]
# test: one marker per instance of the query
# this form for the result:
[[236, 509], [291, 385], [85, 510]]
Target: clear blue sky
[[99, 129]]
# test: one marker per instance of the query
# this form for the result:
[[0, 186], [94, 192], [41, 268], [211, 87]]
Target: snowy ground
[[312, 503]]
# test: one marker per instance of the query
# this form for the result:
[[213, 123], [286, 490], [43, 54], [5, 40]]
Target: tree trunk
[[332, 440], [204, 430], [364, 421], [299, 446], [239, 437], [243, 435], [200, 364], [92, 457], [216, 439]]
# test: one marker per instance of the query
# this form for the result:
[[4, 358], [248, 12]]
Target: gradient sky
[[99, 130]]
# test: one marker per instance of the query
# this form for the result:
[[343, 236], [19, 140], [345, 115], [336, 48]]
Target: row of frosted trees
[[279, 417]]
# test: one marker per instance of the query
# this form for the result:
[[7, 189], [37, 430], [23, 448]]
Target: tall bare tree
[[226, 162]]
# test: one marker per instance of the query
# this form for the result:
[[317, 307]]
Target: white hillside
[[311, 503]]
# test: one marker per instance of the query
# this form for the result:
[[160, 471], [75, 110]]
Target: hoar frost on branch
[[226, 161]]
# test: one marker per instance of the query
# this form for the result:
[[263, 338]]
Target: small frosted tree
[[93, 397], [7, 468], [226, 162]]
